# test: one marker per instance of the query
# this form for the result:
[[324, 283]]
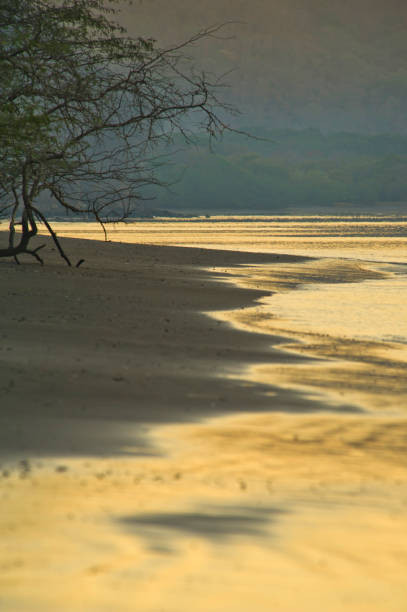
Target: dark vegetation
[[289, 170]]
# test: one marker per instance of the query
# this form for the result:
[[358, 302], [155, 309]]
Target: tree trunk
[[29, 230]]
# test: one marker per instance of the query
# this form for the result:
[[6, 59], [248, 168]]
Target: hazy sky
[[338, 64]]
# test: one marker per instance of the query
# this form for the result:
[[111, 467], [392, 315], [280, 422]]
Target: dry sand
[[287, 507]]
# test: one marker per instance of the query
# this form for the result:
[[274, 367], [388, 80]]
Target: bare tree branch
[[83, 108]]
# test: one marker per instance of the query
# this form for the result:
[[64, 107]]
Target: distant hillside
[[298, 169]]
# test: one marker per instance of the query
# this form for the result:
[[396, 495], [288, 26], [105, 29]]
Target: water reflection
[[349, 315], [236, 510], [369, 238], [328, 488]]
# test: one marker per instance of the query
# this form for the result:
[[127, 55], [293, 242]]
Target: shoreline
[[123, 339], [148, 334], [345, 365], [149, 470]]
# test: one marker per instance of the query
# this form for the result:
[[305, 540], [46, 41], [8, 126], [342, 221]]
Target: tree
[[83, 108]]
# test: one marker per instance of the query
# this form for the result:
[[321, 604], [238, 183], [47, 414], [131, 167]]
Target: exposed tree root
[[53, 234]]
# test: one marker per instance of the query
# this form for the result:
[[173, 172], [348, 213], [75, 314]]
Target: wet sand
[[131, 482], [122, 339]]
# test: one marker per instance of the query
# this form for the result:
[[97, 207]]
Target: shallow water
[[356, 288], [370, 310], [361, 240], [270, 511], [368, 238]]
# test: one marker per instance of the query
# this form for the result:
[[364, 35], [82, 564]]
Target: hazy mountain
[[335, 65]]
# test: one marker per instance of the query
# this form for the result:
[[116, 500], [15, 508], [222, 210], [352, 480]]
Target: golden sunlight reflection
[[272, 511], [237, 511], [370, 238], [349, 317]]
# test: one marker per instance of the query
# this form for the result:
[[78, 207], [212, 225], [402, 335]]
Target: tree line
[[289, 169]]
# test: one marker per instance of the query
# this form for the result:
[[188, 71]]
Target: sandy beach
[[141, 469], [121, 338]]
